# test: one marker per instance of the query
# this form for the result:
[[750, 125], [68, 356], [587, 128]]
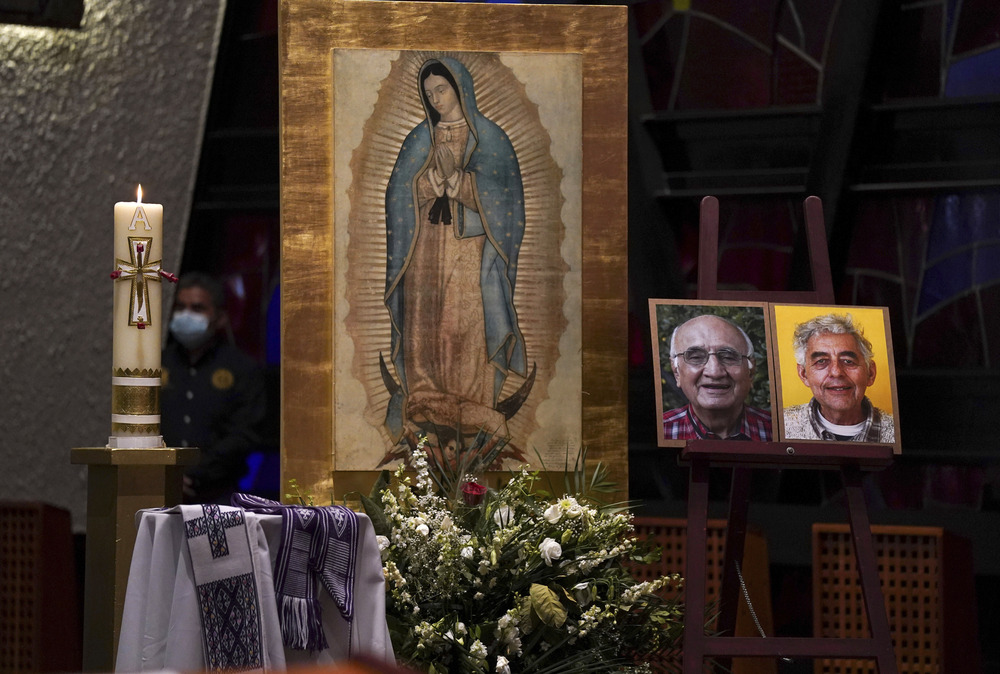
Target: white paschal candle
[[138, 305]]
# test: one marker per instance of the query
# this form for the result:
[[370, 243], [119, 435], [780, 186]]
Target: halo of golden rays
[[539, 295]]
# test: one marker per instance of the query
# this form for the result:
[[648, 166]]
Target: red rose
[[472, 493]]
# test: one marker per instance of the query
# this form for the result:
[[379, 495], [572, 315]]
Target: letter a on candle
[[137, 217]]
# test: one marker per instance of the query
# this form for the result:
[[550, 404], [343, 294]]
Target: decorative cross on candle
[[140, 271]]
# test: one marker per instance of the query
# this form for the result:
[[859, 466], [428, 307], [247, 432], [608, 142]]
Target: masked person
[[212, 394]]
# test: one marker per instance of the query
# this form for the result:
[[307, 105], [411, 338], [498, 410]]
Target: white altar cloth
[[161, 620]]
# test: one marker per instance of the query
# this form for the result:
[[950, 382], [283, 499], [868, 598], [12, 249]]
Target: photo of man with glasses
[[712, 375]]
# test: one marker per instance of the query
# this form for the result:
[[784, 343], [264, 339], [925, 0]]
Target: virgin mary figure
[[454, 210]]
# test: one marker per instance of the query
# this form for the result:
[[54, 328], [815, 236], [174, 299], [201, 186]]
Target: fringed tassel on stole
[[316, 544], [301, 624]]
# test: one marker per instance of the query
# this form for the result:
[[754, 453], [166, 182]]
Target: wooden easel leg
[[736, 531], [694, 569], [864, 550]]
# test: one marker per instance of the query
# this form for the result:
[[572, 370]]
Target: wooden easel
[[742, 457]]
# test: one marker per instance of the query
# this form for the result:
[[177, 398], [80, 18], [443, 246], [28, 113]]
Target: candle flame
[[138, 193]]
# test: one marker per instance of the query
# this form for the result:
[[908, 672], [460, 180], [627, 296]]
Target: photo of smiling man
[[712, 374], [839, 366]]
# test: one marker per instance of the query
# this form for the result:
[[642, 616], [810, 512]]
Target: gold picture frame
[[310, 34]]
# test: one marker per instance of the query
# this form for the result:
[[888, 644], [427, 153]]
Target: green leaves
[[546, 605], [373, 505], [375, 513], [449, 467], [304, 499]]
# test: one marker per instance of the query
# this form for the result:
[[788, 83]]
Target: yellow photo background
[[873, 324]]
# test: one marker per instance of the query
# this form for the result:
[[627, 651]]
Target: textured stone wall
[[85, 115]]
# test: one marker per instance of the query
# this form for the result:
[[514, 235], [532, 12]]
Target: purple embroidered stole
[[222, 561], [315, 542]]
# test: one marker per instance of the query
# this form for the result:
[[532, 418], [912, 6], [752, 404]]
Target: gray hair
[[835, 324], [673, 335]]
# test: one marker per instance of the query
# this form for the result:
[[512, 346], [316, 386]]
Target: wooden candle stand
[[120, 481]]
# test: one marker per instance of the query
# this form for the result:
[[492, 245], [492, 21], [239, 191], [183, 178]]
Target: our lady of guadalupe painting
[[457, 254]]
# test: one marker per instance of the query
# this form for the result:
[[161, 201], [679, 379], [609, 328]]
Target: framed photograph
[[712, 371], [836, 374], [453, 234]]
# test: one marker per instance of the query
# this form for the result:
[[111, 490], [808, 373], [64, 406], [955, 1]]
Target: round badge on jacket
[[222, 379]]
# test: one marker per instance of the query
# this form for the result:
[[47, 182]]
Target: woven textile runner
[[219, 546], [316, 542]]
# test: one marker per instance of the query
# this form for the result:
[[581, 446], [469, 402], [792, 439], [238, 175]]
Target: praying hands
[[444, 161]]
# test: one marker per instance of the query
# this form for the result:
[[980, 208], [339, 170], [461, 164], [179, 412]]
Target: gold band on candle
[[134, 429], [128, 372], [135, 400]]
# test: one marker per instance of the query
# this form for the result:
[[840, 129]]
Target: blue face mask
[[190, 328]]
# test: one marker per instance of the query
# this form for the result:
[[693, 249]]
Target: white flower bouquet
[[512, 579]]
